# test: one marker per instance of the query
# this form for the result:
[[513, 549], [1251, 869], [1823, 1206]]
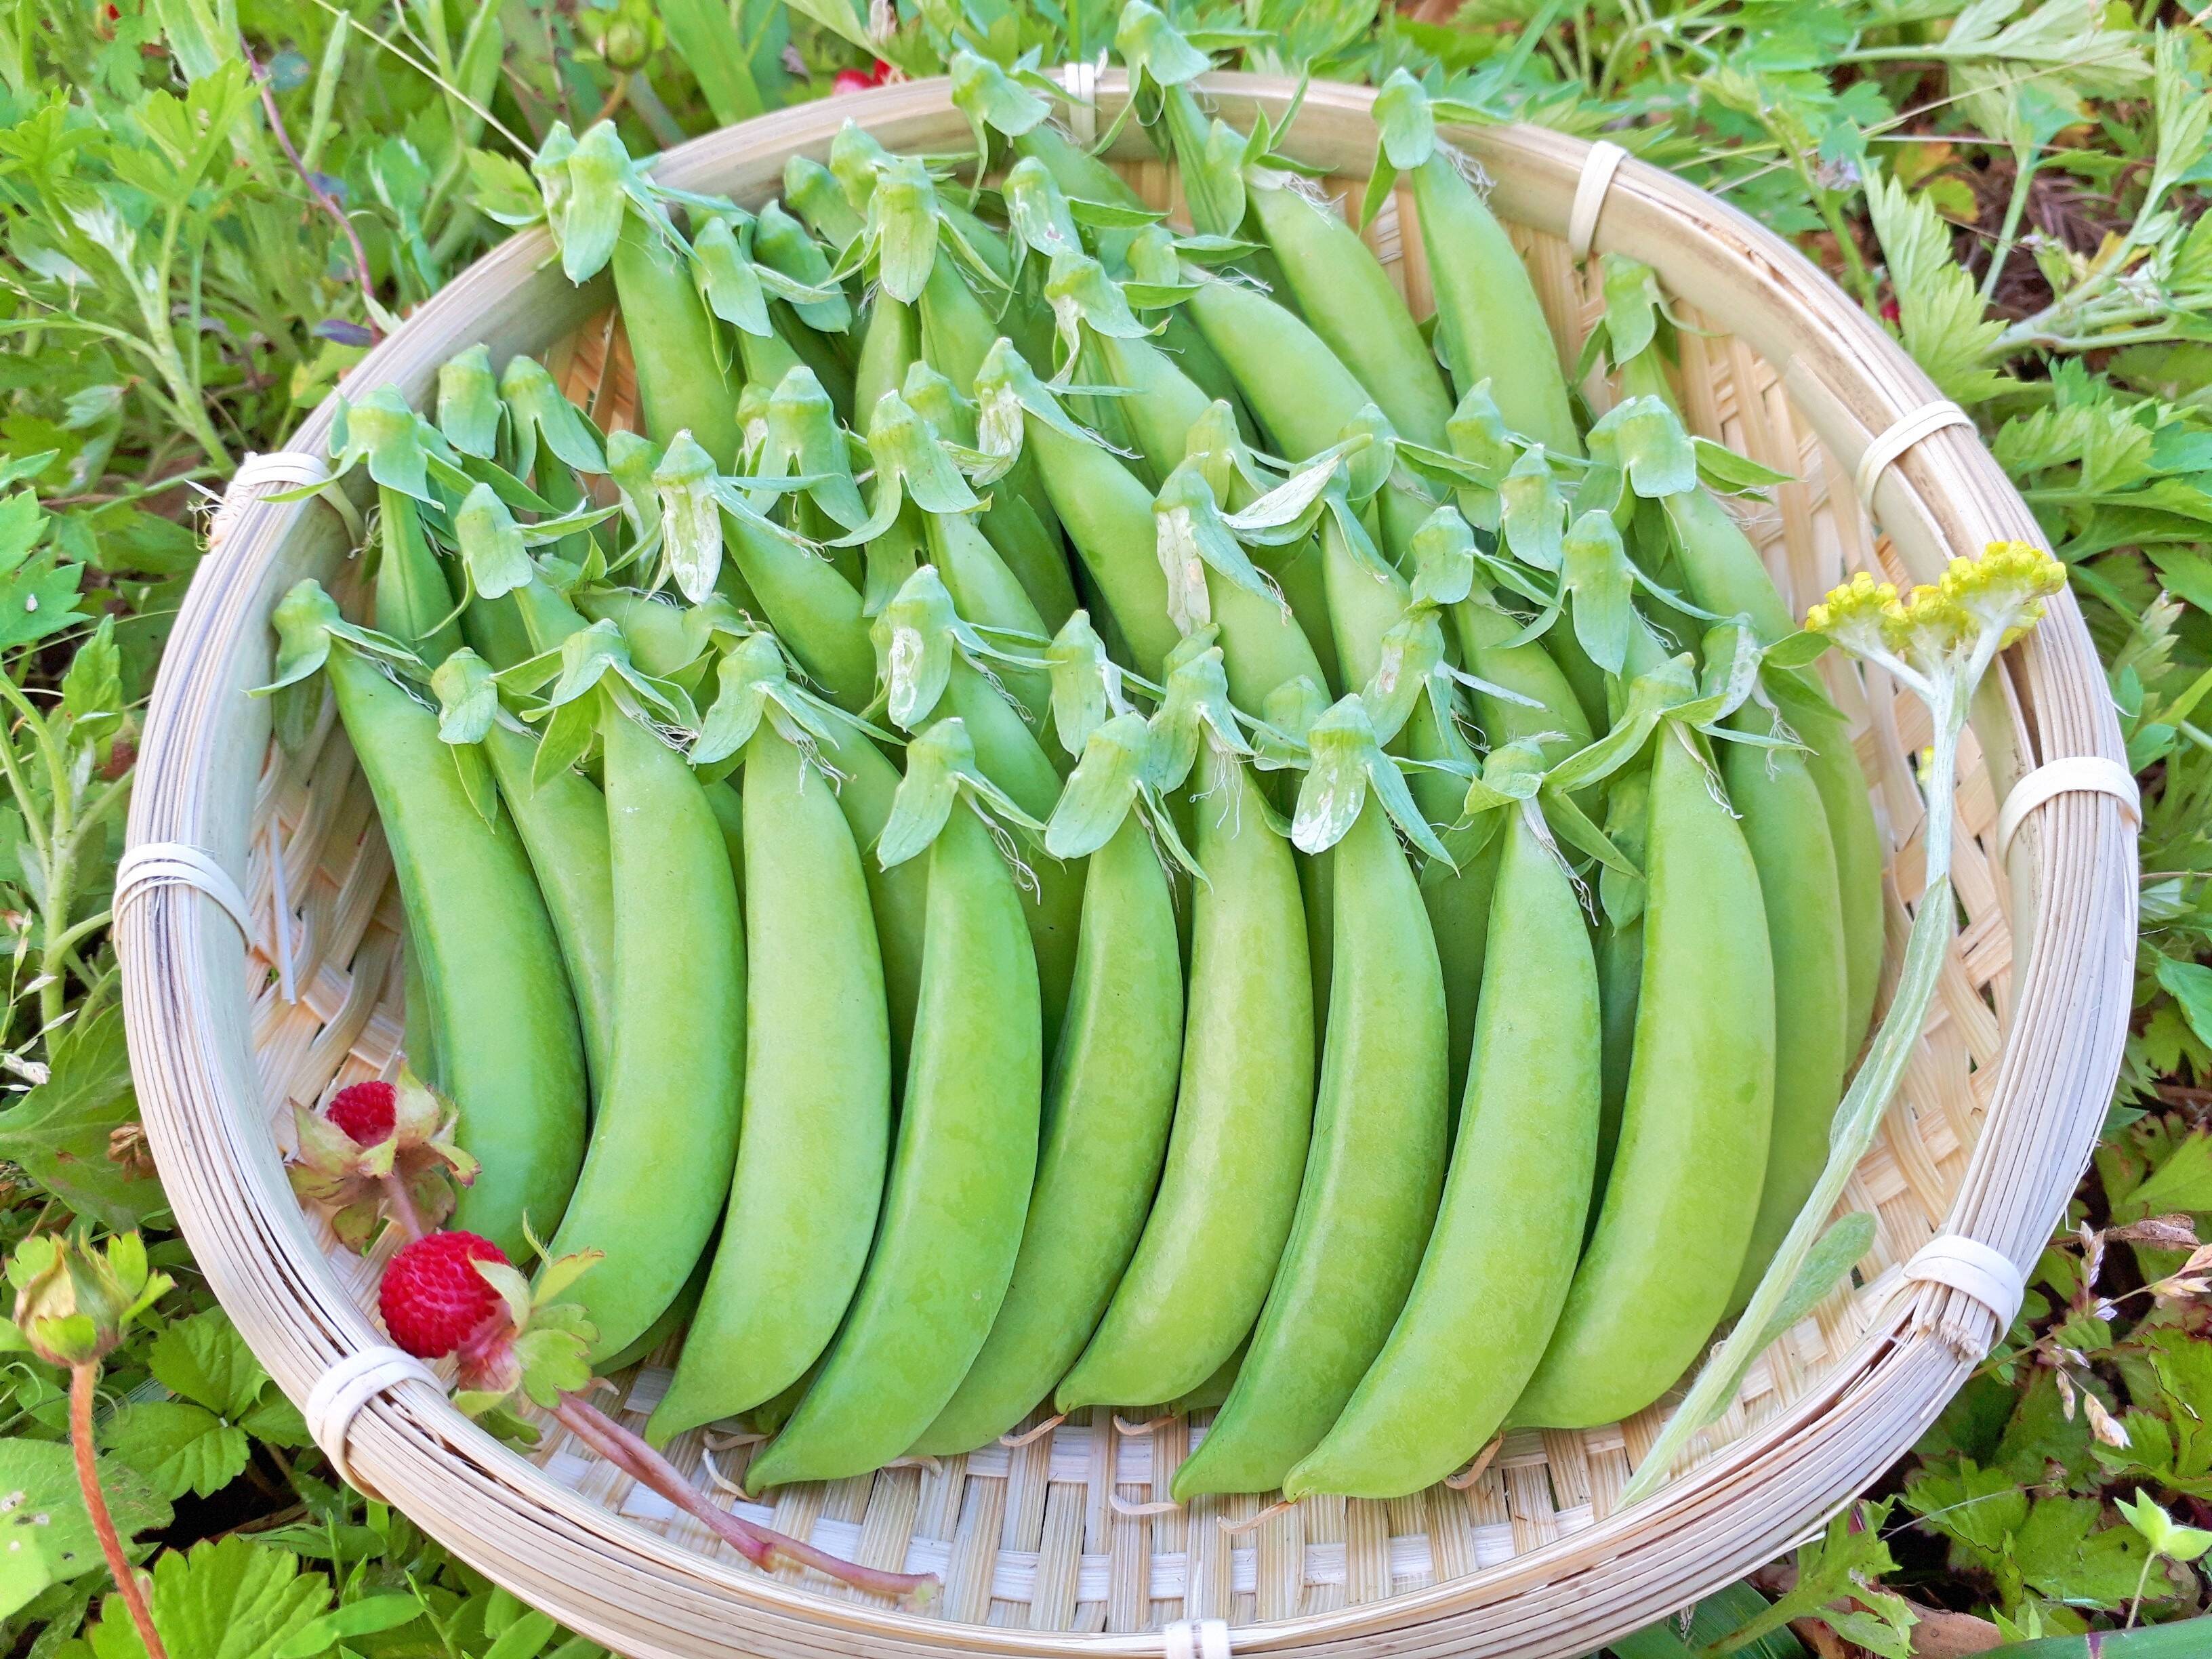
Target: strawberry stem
[[762, 1546], [400, 1207], [84, 1384]]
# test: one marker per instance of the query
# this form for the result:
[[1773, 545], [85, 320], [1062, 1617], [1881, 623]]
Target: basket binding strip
[[1985, 1140]]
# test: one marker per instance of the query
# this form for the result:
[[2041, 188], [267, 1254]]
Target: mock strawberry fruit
[[365, 1111], [432, 1298]]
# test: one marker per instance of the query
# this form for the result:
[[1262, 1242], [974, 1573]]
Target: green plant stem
[[2023, 177], [84, 1385]]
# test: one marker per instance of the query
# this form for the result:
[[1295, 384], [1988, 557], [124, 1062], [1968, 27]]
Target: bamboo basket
[[1059, 1544]]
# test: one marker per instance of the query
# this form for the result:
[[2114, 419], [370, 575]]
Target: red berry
[[851, 80], [433, 1299], [365, 1111]]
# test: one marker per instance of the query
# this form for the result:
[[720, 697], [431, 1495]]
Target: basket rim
[[2041, 1118]]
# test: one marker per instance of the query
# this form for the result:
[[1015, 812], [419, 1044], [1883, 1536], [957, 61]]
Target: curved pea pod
[[1108, 1104], [814, 611], [1347, 296], [889, 342], [681, 386], [815, 1131], [1786, 827], [957, 336], [1683, 1192], [495, 995], [563, 824], [1495, 1274], [1243, 1111], [1487, 312], [658, 1170], [1485, 637], [1295, 385], [1724, 575], [1373, 1171], [951, 1219]]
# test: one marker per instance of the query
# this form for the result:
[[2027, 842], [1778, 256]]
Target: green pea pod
[[1496, 1271], [987, 594], [414, 604], [681, 382], [1373, 1172], [658, 1170], [1683, 1192], [1243, 1111], [957, 334], [889, 342], [951, 1219], [1011, 757], [1620, 962], [1724, 575], [814, 611], [1108, 1105], [1107, 514], [1356, 309], [1297, 388], [816, 1134], [563, 824], [1485, 636], [493, 986], [1786, 827], [1487, 312]]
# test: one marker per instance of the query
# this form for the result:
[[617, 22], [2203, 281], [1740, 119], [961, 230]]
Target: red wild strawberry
[[432, 1298], [365, 1111]]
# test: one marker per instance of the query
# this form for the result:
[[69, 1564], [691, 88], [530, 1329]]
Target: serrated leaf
[[229, 1599], [45, 1534], [59, 1130], [1941, 315], [177, 1446]]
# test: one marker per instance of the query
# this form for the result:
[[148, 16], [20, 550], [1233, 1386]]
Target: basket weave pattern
[[1068, 1531]]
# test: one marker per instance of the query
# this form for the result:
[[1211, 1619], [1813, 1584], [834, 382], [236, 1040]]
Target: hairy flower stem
[[84, 1384]]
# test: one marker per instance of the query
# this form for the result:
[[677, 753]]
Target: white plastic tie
[[340, 1393], [1081, 80], [1973, 1268], [272, 474], [1907, 430], [1196, 1638], [2068, 774], [1599, 164], [175, 864]]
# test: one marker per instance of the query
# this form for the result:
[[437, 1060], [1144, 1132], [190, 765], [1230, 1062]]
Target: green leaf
[[230, 1599], [1941, 315], [204, 1358], [369, 1616], [59, 1130], [178, 1447], [2191, 985], [45, 1534]]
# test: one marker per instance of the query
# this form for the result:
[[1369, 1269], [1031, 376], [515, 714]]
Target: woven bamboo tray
[[1058, 1545]]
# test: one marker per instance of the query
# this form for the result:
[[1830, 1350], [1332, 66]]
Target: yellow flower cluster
[[2004, 588]]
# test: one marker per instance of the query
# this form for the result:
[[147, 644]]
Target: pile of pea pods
[[1077, 811]]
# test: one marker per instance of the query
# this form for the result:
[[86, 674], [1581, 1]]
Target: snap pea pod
[[1011, 757], [1786, 827], [897, 896], [1353, 305], [1492, 325], [951, 1218], [988, 595], [891, 342], [1108, 1101], [681, 382], [666, 1137], [1243, 1111], [1485, 639], [1373, 1171], [1724, 575], [1107, 514], [562, 821], [414, 602], [1621, 961], [957, 335], [815, 611], [1680, 1202], [815, 1135], [1300, 392], [1495, 1274], [495, 992], [1364, 604]]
